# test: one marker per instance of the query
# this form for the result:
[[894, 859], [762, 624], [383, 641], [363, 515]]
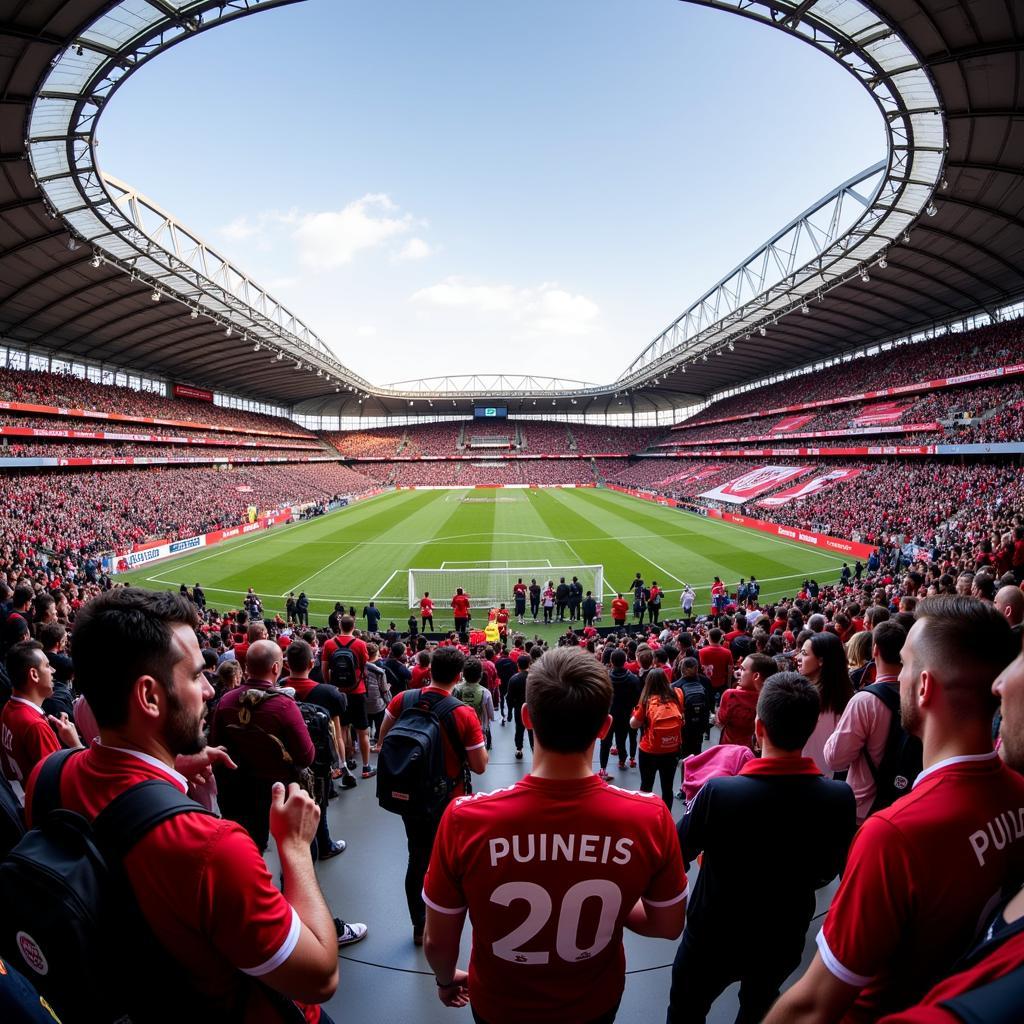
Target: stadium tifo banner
[[791, 423], [143, 554], [901, 428], [635, 492], [904, 389], [753, 484], [817, 540], [883, 412], [108, 435], [765, 453], [92, 414], [808, 487]]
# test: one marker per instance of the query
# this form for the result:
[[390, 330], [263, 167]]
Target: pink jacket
[[864, 726], [724, 759]]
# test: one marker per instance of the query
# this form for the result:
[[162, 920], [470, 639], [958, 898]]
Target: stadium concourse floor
[[385, 977]]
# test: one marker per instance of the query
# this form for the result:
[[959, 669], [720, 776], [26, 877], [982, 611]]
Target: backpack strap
[[891, 699], [46, 795], [138, 810], [886, 694], [998, 1002], [444, 708]]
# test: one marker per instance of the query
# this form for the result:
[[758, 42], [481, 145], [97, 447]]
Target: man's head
[[299, 658], [689, 667], [138, 663], [1010, 604], [29, 671], [446, 666], [754, 670], [568, 696], [472, 671], [256, 631], [346, 624], [51, 636], [887, 640], [787, 712], [952, 655], [816, 623], [618, 658], [263, 661], [22, 597]]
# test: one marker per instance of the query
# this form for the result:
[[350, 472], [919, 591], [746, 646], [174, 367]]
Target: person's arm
[[657, 922], [692, 826], [477, 759], [66, 731], [310, 973], [850, 737], [636, 720], [819, 997], [441, 940]]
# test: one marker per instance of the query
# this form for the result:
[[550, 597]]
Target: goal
[[487, 587]]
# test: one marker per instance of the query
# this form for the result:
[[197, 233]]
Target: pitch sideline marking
[[385, 586]]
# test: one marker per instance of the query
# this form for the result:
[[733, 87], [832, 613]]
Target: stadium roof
[[81, 257]]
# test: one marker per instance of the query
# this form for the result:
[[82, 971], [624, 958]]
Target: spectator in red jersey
[[29, 734], [880, 955], [445, 670], [253, 721], [149, 703], [426, 611], [342, 664], [739, 704], [460, 609], [558, 839], [975, 991], [716, 662], [620, 609]]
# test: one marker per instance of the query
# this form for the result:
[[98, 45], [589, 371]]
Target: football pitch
[[362, 552]]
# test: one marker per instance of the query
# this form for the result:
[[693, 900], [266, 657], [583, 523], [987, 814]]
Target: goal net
[[487, 587]]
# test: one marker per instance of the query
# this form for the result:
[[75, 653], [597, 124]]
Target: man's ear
[[759, 731], [148, 697], [604, 729], [527, 717]]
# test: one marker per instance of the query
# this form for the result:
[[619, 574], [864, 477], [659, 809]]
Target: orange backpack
[[665, 725]]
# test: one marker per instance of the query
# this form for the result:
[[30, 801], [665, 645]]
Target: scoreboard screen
[[490, 412]]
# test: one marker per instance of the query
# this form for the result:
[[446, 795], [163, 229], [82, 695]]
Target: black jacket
[[625, 693], [769, 841]]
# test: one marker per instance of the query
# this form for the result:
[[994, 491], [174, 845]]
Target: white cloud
[[544, 309], [240, 229], [332, 238], [415, 249]]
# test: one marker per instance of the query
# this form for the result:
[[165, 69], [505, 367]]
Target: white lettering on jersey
[[585, 849], [1004, 828]]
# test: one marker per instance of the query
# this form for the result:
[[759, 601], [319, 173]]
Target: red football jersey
[[922, 878], [460, 606], [549, 870], [427, 608], [27, 738]]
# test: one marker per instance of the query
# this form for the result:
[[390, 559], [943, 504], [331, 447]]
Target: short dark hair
[[889, 637], [523, 662], [762, 665], [618, 657], [346, 624], [788, 708], [51, 634], [298, 656], [21, 658], [121, 635], [445, 665], [397, 649], [22, 595], [568, 693], [472, 670]]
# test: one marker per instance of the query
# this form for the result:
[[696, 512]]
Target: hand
[[294, 815], [457, 993], [66, 731], [198, 768]]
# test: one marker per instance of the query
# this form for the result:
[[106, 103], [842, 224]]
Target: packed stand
[[544, 438], [378, 443], [67, 391], [15, 448], [595, 440], [432, 438]]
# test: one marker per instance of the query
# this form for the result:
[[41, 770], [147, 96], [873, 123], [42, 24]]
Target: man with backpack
[[869, 739], [471, 691], [264, 732], [231, 944], [342, 661], [698, 704], [322, 706], [437, 741], [527, 861]]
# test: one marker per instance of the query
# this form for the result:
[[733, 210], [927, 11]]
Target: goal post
[[489, 587]]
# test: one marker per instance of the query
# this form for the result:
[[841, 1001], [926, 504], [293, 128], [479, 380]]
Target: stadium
[[834, 427]]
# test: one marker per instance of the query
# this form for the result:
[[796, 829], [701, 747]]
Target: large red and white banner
[[791, 423], [754, 483], [883, 412], [816, 540], [187, 391], [808, 487], [691, 475]]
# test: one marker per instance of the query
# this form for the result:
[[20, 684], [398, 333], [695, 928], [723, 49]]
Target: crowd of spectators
[[670, 475], [433, 438], [16, 448], [466, 473], [378, 443], [592, 439], [66, 391], [542, 438], [61, 520], [951, 355]]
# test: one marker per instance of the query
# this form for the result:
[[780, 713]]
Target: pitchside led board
[[490, 412]]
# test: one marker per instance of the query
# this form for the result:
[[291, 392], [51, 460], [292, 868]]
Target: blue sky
[[455, 186]]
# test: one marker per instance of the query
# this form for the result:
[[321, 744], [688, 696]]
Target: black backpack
[[318, 722], [697, 706], [902, 757], [70, 922], [12, 821], [342, 665], [411, 776]]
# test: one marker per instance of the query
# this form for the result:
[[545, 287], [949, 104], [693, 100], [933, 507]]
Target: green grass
[[362, 552]]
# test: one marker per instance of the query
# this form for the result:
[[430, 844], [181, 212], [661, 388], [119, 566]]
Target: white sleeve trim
[[287, 947], [834, 967], [441, 910], [476, 746], [684, 895]]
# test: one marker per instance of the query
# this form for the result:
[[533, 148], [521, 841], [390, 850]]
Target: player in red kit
[[552, 869], [460, 609], [426, 611]]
